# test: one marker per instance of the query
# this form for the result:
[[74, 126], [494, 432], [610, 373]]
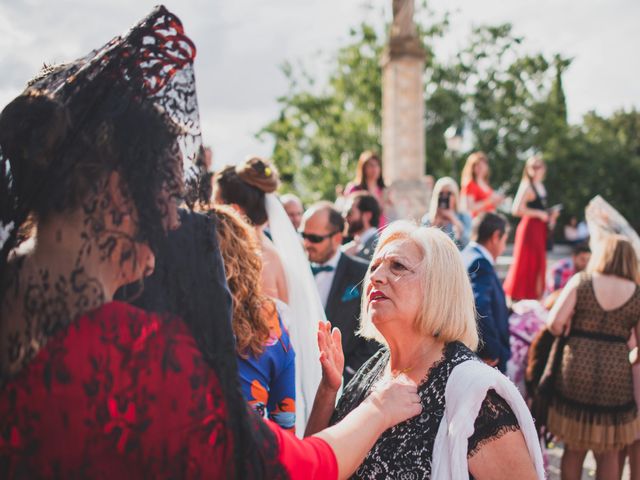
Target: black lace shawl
[[189, 281]]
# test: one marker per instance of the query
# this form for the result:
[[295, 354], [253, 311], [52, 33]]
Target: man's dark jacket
[[343, 311], [493, 314]]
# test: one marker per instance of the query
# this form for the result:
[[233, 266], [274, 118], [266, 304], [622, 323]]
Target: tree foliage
[[318, 136], [510, 102]]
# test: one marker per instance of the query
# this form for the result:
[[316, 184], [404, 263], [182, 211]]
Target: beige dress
[[593, 407]]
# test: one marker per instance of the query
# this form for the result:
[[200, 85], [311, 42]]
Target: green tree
[[318, 136], [510, 101], [490, 87], [599, 156]]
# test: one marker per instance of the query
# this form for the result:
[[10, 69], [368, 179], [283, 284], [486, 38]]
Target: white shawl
[[466, 389]]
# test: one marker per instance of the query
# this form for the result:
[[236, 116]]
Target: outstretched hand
[[397, 400], [331, 355]]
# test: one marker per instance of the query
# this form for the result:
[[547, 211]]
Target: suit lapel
[[333, 301]]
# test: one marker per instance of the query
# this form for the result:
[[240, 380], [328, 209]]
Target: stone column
[[403, 131]]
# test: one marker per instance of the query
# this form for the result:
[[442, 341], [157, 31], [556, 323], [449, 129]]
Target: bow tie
[[316, 269]]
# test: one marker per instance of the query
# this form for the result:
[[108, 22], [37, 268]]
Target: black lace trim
[[495, 419]]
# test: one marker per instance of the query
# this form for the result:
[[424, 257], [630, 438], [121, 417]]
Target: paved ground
[[588, 472]]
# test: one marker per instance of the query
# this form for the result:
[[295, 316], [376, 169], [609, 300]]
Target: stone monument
[[403, 130]]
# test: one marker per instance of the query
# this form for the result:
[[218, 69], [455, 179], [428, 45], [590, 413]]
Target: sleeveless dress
[[406, 450], [593, 406], [525, 279]]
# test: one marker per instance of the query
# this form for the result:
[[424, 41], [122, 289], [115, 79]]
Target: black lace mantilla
[[151, 64], [405, 451]]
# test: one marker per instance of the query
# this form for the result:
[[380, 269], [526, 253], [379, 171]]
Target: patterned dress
[[593, 406], [406, 450], [268, 381]]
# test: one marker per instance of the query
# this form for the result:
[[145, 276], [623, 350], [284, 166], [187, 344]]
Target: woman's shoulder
[[457, 352], [124, 316], [122, 327], [468, 187], [351, 188], [279, 334]]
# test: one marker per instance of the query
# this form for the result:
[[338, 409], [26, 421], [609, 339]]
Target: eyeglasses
[[537, 167], [313, 238]]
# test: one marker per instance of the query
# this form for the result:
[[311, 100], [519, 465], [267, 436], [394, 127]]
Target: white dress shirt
[[324, 280], [366, 235], [485, 253]]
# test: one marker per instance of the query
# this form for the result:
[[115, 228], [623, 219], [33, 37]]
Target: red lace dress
[[126, 394]]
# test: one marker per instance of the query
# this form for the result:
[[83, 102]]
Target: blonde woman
[[419, 303], [593, 406], [477, 194], [445, 213]]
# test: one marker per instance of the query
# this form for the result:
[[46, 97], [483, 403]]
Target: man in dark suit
[[339, 280], [489, 239]]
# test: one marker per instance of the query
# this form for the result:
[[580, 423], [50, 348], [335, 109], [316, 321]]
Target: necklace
[[397, 373]]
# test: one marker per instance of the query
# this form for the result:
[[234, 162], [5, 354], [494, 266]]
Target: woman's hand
[[447, 214], [542, 215], [496, 198], [553, 217], [331, 356], [354, 435], [397, 400], [332, 361]]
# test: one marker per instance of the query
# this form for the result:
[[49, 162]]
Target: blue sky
[[241, 44]]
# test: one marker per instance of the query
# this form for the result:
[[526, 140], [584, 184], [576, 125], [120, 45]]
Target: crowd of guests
[[151, 321]]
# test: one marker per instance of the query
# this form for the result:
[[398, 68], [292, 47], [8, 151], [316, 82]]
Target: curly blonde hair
[[242, 262]]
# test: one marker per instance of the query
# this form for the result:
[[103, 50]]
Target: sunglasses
[[313, 238]]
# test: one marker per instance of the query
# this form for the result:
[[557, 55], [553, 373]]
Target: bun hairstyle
[[259, 173], [59, 155], [246, 186], [32, 128]]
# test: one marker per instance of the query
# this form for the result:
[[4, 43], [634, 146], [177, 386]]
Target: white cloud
[[241, 43]]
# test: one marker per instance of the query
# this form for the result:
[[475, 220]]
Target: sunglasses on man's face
[[313, 238]]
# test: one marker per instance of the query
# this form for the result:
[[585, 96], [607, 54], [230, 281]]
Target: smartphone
[[556, 208], [444, 200]]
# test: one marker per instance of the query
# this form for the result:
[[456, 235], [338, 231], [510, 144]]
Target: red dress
[[525, 279], [122, 393], [478, 194]]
